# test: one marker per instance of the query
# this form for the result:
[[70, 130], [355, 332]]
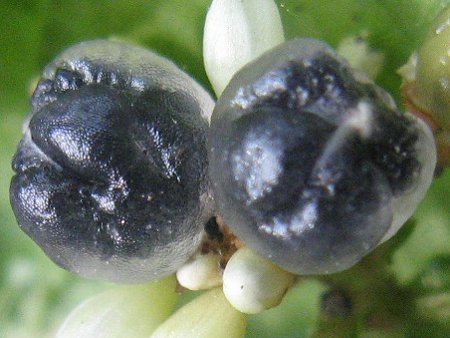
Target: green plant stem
[[378, 302]]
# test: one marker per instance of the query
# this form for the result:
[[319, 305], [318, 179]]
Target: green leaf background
[[35, 295]]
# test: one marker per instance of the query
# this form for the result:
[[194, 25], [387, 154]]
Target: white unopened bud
[[237, 32], [209, 315], [126, 311], [202, 272], [252, 283]]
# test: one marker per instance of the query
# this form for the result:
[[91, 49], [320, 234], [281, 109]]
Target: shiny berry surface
[[111, 171], [312, 164]]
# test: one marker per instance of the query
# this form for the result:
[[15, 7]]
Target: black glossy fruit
[[111, 172], [312, 165]]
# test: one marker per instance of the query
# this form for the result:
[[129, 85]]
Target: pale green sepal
[[125, 311], [209, 315]]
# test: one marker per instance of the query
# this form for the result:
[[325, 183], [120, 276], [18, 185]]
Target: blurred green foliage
[[35, 295]]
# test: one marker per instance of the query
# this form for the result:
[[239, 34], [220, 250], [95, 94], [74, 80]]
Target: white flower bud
[[202, 272], [237, 32], [252, 283], [126, 311], [209, 315]]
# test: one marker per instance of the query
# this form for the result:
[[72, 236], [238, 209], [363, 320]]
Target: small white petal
[[126, 311], [252, 283], [202, 272], [237, 32], [408, 70], [433, 70], [360, 55], [209, 315]]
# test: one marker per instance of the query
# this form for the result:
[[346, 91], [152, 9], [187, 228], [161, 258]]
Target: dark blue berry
[[311, 163], [111, 174]]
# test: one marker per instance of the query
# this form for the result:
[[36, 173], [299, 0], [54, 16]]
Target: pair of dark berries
[[308, 162]]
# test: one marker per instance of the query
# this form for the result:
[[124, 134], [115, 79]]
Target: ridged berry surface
[[111, 174]]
